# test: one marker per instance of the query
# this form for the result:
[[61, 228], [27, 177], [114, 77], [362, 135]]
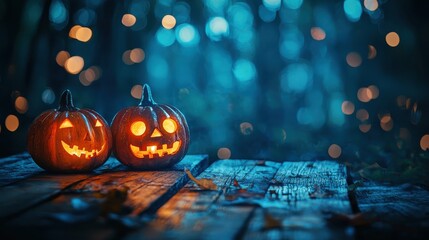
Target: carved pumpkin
[[69, 139], [150, 135]]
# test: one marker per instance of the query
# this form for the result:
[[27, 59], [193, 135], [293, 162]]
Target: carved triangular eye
[[98, 124], [66, 124]]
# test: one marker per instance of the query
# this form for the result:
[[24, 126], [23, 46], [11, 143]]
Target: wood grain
[[400, 211], [147, 191], [200, 214], [21, 166], [35, 189], [300, 200]]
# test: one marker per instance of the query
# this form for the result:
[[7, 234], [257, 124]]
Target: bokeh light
[[353, 10], [334, 151], [165, 37], [21, 104], [374, 91], [392, 39], [354, 59], [246, 128], [364, 94], [272, 5], [187, 35], [371, 5], [74, 64], [137, 91], [317, 33], [362, 115], [128, 20], [11, 123], [216, 28], [73, 31], [137, 55], [48, 96], [372, 52], [168, 22], [424, 142], [224, 153], [364, 127], [293, 4], [347, 107], [244, 70], [126, 57], [62, 57], [386, 122], [89, 75], [83, 34]]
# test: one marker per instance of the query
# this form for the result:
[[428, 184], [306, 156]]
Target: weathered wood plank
[[17, 167], [196, 214], [301, 195], [147, 191], [21, 166], [40, 187], [400, 211]]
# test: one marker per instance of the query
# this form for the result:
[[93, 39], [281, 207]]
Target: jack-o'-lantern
[[69, 139], [150, 135]]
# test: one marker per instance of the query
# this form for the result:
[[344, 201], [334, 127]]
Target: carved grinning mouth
[[79, 152], [152, 150]]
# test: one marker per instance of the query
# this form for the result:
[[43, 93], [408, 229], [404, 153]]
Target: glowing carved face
[[138, 128], [81, 151]]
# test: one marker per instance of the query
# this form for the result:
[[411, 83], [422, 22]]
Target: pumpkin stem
[[66, 101], [147, 99]]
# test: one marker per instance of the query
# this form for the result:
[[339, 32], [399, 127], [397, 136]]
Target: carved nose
[[87, 137], [156, 133]]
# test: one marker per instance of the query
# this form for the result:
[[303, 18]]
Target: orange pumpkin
[[150, 135], [69, 139]]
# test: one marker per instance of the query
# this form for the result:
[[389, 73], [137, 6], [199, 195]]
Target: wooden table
[[254, 200]]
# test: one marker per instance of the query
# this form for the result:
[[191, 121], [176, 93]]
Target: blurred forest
[[284, 80]]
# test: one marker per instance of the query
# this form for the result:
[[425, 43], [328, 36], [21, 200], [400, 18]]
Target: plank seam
[[352, 194]]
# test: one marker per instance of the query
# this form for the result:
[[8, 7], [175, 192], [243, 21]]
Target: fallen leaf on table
[[113, 200], [358, 219], [242, 193], [236, 184], [203, 183], [270, 222]]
